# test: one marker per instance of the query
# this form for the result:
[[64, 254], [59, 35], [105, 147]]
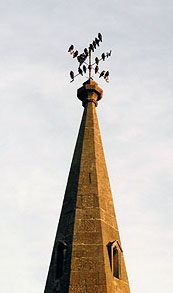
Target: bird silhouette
[[86, 51], [97, 41], [103, 56], [80, 71], [71, 48], [100, 37], [81, 58], [75, 54], [91, 47], [106, 74], [97, 60], [106, 77], [94, 44], [102, 73], [72, 75], [84, 69], [96, 69]]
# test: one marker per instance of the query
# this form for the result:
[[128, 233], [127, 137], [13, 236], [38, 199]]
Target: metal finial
[[84, 65]]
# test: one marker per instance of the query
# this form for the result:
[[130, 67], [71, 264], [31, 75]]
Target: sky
[[40, 116]]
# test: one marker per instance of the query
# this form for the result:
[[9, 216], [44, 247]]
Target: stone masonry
[[87, 255]]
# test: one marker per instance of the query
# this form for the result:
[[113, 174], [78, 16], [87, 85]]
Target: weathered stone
[[87, 227]]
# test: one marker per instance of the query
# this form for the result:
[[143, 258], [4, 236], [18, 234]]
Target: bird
[[94, 44], [75, 54], [71, 48], [102, 73], [106, 74], [86, 51], [100, 37], [97, 41], [83, 55], [97, 60], [81, 58], [84, 69], [103, 56], [80, 71], [91, 47], [72, 75], [96, 69], [110, 53], [106, 77]]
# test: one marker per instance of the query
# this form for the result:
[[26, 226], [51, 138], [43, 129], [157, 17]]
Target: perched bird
[[97, 60], [86, 51], [96, 69], [80, 71], [81, 58], [75, 54], [84, 69], [103, 56], [106, 74], [71, 48], [94, 44], [100, 37], [83, 55], [97, 41], [102, 73], [106, 77], [72, 75], [91, 47], [108, 54]]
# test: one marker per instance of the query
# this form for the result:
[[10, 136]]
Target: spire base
[[90, 92]]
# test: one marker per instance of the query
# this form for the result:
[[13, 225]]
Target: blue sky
[[40, 117]]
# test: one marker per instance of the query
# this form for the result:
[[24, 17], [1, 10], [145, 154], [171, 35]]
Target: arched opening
[[114, 253], [115, 263]]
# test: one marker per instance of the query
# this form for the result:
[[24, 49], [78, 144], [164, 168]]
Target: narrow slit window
[[115, 263], [60, 259]]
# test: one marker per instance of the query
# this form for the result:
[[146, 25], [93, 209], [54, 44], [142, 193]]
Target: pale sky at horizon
[[40, 117]]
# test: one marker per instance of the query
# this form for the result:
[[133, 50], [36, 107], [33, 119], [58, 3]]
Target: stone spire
[[87, 255]]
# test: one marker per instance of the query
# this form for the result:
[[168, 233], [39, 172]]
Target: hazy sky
[[40, 117]]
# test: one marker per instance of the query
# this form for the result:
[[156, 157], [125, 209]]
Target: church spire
[[87, 255]]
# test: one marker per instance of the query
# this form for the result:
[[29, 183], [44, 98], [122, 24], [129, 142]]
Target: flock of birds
[[81, 58]]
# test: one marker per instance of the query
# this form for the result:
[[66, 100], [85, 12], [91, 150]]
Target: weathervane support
[[90, 66], [81, 58]]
